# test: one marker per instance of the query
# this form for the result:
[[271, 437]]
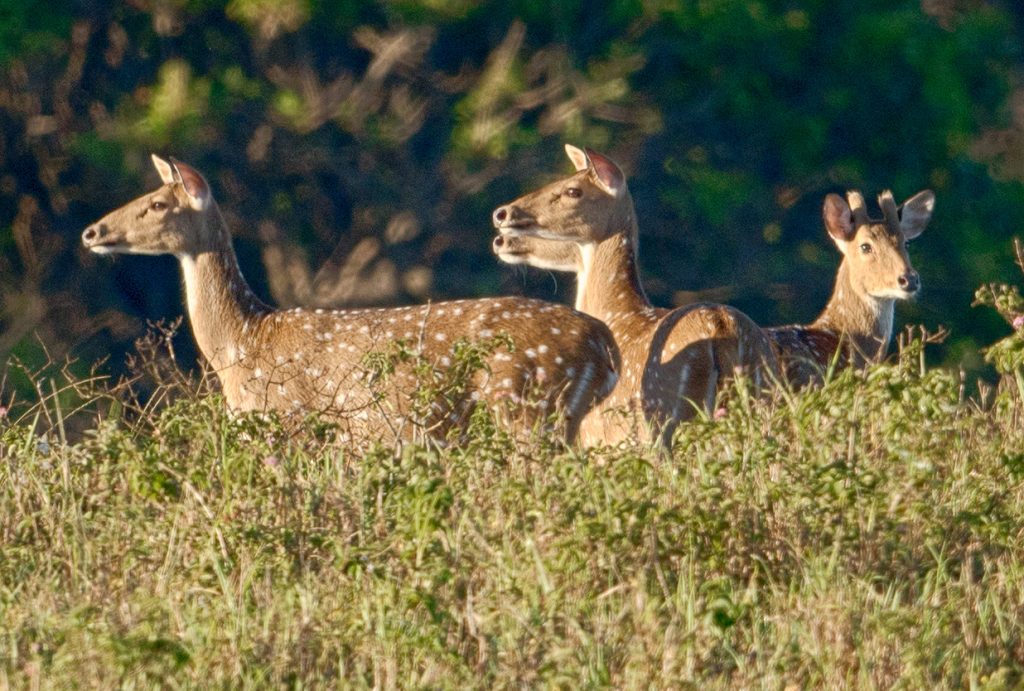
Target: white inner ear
[[606, 188], [164, 168], [843, 245], [177, 175], [199, 203], [578, 157]]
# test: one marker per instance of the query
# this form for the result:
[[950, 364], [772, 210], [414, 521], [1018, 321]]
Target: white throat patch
[[883, 309], [191, 273], [586, 266]]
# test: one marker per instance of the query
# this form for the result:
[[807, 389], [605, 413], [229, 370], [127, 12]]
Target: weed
[[864, 533]]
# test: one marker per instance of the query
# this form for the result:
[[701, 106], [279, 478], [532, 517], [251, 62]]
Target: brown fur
[[856, 326], [556, 360], [675, 361]]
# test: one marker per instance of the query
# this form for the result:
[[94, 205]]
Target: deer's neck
[[222, 309], [866, 321], [609, 283]]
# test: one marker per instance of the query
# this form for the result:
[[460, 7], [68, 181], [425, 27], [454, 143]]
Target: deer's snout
[[92, 234], [506, 244], [910, 281], [99, 238], [511, 216]]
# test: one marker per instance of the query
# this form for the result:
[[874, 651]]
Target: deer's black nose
[[909, 281], [499, 242], [512, 216], [90, 235]]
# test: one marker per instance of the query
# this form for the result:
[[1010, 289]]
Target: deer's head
[[875, 252], [170, 220], [589, 206]]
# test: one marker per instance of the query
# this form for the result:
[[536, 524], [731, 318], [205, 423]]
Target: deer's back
[[375, 368], [804, 352], [674, 362]]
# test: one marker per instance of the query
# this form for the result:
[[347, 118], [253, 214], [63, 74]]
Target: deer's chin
[[525, 258], [513, 257], [118, 248], [111, 248], [532, 230], [535, 231], [895, 294]]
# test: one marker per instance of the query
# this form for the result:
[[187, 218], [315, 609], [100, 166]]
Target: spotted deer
[[856, 326], [539, 359], [674, 361]]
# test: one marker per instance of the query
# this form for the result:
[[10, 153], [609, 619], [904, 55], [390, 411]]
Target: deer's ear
[[607, 174], [915, 213], [578, 157], [165, 169], [838, 220], [195, 185]]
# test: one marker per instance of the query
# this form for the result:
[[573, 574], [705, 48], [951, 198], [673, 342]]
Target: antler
[[889, 211], [857, 207]]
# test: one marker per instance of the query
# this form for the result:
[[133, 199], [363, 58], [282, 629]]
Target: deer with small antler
[[674, 361], [856, 326], [541, 360]]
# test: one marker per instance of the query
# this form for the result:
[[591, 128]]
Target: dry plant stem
[[872, 518]]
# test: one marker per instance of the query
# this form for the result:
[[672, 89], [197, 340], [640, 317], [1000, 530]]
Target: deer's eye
[[574, 192], [158, 206], [865, 248]]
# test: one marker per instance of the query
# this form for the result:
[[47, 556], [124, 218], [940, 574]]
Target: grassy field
[[866, 534]]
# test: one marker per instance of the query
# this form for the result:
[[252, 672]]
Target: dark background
[[357, 148]]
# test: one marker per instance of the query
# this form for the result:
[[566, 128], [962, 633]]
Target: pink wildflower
[[1018, 321], [271, 461], [720, 413]]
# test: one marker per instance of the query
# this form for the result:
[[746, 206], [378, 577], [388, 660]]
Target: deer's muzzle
[[511, 216], [506, 245], [98, 238], [910, 282]]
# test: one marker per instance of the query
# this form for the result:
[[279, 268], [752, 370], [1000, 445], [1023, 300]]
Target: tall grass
[[864, 534]]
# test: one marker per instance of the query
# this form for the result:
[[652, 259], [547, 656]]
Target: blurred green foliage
[[358, 148]]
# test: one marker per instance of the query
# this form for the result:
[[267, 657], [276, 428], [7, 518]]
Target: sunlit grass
[[864, 534]]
